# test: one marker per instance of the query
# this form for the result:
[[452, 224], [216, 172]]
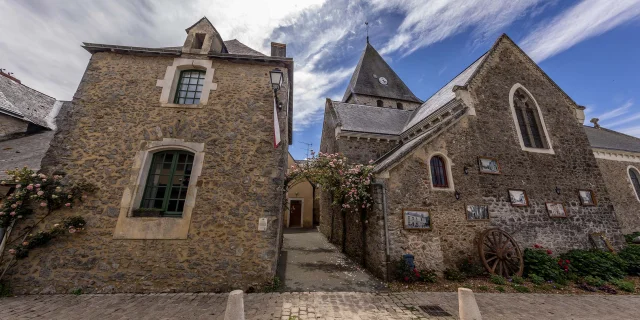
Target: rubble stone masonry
[[115, 112]]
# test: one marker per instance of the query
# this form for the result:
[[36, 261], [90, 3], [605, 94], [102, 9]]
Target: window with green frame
[[189, 87], [168, 181]]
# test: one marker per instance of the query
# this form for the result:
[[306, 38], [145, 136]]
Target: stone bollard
[[467, 306], [235, 306]]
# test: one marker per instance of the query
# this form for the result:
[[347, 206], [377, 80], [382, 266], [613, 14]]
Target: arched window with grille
[[634, 175], [439, 172], [530, 124], [167, 182]]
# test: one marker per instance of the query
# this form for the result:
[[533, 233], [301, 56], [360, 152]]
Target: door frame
[[301, 212]]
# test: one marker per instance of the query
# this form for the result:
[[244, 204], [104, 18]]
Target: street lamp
[[276, 82]]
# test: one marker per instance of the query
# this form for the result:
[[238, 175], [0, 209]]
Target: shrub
[[594, 281], [629, 237], [607, 289], [627, 286], [471, 268], [498, 279], [545, 287], [5, 289], [517, 280], [274, 286], [631, 255], [500, 288], [454, 275], [535, 279], [428, 276], [604, 265], [521, 289], [540, 262], [404, 272], [483, 288]]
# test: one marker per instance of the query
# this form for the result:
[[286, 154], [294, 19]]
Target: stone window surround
[[129, 227], [631, 182], [542, 122], [172, 76], [447, 165]]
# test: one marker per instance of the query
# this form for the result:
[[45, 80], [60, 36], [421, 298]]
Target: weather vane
[[366, 23]]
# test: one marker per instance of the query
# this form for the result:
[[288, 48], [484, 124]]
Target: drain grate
[[434, 310]]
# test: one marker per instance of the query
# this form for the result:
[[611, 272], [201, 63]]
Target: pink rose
[[72, 230], [26, 243], [18, 186], [2, 213], [13, 213], [38, 185], [12, 251], [30, 187], [40, 193], [43, 204], [67, 204], [44, 180], [14, 206]]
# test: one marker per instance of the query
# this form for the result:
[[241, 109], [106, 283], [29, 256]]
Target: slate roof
[[363, 81], [444, 95], [601, 138], [25, 151], [22, 102], [360, 118], [236, 47]]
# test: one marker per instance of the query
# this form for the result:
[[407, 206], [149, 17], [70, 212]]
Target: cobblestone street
[[317, 305]]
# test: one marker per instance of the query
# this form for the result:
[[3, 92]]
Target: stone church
[[500, 145], [188, 149]]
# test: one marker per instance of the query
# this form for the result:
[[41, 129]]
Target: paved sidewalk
[[308, 262], [318, 305]]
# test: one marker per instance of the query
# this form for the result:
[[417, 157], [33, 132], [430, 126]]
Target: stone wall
[[363, 150], [492, 133], [10, 125], [387, 103], [621, 192], [115, 109]]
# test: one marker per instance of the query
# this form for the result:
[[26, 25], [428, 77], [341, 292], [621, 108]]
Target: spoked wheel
[[500, 253]]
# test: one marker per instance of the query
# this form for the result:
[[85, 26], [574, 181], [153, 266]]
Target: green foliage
[[631, 255], [545, 287], [471, 267], [623, 285], [428, 276], [274, 286], [41, 238], [521, 289], [540, 262], [604, 265], [629, 237], [500, 288], [594, 281], [517, 280], [483, 288], [497, 279], [535, 279], [77, 291], [454, 275]]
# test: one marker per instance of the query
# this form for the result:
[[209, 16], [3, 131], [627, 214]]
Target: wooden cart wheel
[[500, 253]]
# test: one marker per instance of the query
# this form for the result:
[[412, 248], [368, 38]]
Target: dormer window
[[198, 40], [189, 87]]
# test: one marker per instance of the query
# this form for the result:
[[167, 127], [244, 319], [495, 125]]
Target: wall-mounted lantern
[[277, 77], [466, 170], [457, 194]]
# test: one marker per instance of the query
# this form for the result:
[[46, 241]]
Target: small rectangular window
[[198, 40], [189, 88]]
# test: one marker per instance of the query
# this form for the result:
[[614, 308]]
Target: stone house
[[182, 144], [301, 201], [27, 125], [500, 145]]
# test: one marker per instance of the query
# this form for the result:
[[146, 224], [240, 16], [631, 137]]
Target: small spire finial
[[366, 23], [595, 122]]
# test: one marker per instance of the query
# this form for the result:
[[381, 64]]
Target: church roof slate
[[444, 95], [365, 77], [22, 102], [233, 47], [601, 138], [236, 47], [361, 118]]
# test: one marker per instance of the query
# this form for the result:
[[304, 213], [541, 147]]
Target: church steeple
[[374, 79]]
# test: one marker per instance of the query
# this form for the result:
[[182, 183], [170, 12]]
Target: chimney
[[9, 75], [278, 50]]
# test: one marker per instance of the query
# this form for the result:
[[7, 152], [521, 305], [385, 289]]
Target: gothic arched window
[[529, 121], [438, 172], [635, 180]]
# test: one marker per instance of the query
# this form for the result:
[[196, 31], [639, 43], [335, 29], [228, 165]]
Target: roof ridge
[[364, 105], [612, 131]]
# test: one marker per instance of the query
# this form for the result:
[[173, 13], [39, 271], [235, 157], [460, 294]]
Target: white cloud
[[587, 19], [428, 22], [616, 112], [620, 122]]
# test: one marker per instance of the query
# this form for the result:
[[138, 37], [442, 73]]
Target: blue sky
[[590, 48]]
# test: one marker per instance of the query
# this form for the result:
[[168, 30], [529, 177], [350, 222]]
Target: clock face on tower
[[382, 80]]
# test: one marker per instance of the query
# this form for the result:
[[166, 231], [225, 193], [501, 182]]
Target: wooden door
[[295, 215]]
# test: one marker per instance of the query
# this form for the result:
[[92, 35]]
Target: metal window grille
[[168, 181], [189, 87]]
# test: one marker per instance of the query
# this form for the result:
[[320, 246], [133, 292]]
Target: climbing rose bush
[[39, 191], [349, 184]]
